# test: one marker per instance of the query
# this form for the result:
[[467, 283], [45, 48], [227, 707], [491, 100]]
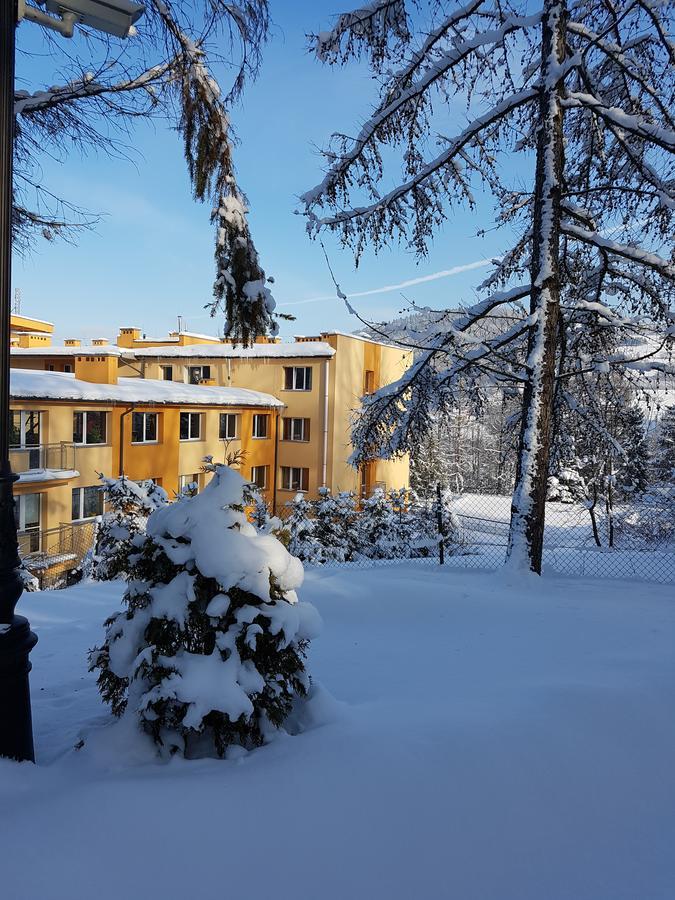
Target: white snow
[[493, 738], [40, 475], [36, 384], [106, 350], [227, 351]]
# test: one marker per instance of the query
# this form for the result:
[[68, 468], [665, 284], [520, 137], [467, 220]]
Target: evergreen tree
[[209, 651], [664, 456], [301, 528], [121, 528], [336, 524], [376, 526]]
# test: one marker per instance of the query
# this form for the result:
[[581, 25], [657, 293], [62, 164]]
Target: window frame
[[307, 378], [84, 413], [194, 479], [145, 439], [288, 424], [190, 416], [80, 491], [303, 480], [226, 417], [205, 373], [265, 469], [256, 417], [166, 369]]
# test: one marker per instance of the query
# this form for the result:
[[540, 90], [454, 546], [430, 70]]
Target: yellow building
[[319, 380], [26, 331], [66, 428]]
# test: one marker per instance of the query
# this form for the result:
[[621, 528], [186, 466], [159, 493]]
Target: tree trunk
[[526, 536]]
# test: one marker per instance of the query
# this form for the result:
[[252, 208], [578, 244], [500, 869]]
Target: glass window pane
[[184, 426], [95, 427], [194, 425], [136, 427], [15, 428], [32, 420], [93, 502], [75, 510], [78, 428], [31, 505], [151, 427]]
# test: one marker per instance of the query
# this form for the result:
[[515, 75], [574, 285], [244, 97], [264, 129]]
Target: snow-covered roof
[[354, 335], [28, 384], [227, 351], [104, 350]]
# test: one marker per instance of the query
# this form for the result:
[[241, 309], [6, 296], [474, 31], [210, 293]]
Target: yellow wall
[[164, 460]]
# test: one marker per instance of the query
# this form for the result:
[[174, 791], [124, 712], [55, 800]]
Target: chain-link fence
[[629, 540]]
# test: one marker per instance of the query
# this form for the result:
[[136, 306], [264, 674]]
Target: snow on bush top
[[212, 531]]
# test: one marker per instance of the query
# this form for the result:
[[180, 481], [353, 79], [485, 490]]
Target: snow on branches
[[168, 69], [584, 92]]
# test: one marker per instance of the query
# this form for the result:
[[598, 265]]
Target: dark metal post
[[441, 528], [16, 638]]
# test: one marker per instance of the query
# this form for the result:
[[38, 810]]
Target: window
[[27, 518], [228, 426], [294, 478], [87, 502], [167, 373], [198, 373], [369, 382], [190, 426], [24, 435], [143, 428], [67, 367], [259, 476], [260, 425], [296, 429], [298, 378], [89, 427], [189, 482], [50, 367]]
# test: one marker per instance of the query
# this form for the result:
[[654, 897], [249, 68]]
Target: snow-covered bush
[[336, 524], [130, 502], [301, 528], [376, 527], [209, 651]]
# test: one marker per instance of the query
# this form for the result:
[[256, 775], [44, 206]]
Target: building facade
[[153, 409]]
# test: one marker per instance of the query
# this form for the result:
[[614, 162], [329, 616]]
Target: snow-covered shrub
[[210, 649], [336, 524], [130, 502], [301, 528], [376, 527]]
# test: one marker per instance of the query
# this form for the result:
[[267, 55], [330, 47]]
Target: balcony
[[44, 462], [50, 555]]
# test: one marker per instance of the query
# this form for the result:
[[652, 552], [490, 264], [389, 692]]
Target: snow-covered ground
[[492, 738]]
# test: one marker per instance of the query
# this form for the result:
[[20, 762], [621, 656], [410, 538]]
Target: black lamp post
[[16, 639]]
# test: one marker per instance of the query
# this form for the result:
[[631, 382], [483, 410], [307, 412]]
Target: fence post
[[439, 520]]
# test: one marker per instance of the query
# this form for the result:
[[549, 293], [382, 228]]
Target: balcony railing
[[55, 457], [49, 555]]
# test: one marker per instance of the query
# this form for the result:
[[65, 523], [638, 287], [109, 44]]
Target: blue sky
[[150, 258]]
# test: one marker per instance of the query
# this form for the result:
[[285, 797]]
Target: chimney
[[100, 342], [97, 369], [72, 342], [127, 336]]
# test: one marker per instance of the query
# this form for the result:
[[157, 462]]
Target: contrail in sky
[[434, 276]]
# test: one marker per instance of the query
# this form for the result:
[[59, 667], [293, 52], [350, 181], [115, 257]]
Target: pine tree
[[209, 651], [336, 524], [301, 528], [664, 456], [376, 525], [121, 529]]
